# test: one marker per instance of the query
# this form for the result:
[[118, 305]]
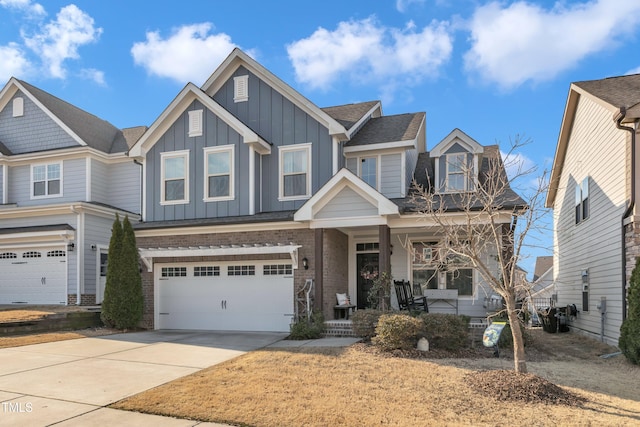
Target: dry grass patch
[[322, 387], [20, 340], [22, 315]]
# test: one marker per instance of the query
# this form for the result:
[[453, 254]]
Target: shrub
[[629, 341], [506, 338], [304, 329], [122, 306], [364, 323], [446, 331], [398, 332]]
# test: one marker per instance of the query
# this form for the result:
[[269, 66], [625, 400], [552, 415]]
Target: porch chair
[[406, 300]]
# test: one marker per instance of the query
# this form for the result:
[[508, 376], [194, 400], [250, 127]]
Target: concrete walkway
[[69, 383]]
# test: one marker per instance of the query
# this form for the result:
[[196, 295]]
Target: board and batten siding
[[215, 133], [73, 184], [596, 149], [33, 131], [280, 122], [347, 203]]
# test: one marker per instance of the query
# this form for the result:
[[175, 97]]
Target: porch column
[[384, 235], [319, 268]]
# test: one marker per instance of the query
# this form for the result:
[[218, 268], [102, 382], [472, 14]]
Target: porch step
[[338, 328]]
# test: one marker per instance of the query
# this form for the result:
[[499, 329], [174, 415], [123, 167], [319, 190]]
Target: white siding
[[346, 204], [598, 150], [391, 175]]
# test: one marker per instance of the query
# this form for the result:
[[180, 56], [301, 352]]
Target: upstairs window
[[457, 172], [175, 177], [219, 173], [46, 180], [369, 171], [295, 171], [241, 88], [582, 200], [195, 123]]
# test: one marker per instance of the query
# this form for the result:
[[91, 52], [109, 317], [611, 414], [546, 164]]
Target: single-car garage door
[[33, 276], [240, 296]]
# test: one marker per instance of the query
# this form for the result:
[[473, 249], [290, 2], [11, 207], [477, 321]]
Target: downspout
[[632, 201], [78, 249], [142, 213]]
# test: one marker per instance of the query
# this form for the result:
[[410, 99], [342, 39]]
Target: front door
[[368, 267]]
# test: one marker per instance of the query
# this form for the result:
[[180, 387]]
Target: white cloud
[[12, 62], [517, 164], [524, 42], [94, 75], [189, 54], [402, 5], [634, 71], [26, 6], [60, 39], [366, 50]]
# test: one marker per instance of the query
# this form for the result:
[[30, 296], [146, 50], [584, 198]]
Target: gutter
[[632, 201]]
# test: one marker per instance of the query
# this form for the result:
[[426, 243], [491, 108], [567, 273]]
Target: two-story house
[[64, 175], [594, 195], [250, 191]]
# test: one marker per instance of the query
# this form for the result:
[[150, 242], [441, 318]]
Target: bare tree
[[486, 227]]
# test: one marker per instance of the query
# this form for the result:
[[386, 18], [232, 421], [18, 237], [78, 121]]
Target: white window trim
[[45, 196], [464, 174], [286, 149], [220, 149], [195, 123], [241, 88], [173, 154], [378, 161]]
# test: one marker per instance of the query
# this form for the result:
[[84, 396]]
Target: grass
[[347, 387]]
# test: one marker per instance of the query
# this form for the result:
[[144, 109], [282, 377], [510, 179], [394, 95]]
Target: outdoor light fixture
[[305, 263], [70, 247], [94, 248]]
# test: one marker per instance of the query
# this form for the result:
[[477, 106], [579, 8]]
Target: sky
[[498, 70]]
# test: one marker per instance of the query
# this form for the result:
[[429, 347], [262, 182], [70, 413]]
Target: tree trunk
[[519, 358]]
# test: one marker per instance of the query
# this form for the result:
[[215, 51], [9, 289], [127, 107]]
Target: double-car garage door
[[233, 296], [33, 275]]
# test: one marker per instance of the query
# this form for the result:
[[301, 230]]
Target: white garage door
[[241, 296], [33, 276]]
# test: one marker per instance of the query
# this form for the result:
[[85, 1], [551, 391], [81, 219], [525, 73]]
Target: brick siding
[[85, 299], [336, 269]]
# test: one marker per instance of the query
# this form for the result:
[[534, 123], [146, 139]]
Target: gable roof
[[85, 128], [618, 94], [543, 264], [187, 95], [238, 58], [385, 129], [457, 136], [350, 115], [424, 176]]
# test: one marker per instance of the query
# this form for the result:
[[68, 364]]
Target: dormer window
[[241, 88], [458, 172]]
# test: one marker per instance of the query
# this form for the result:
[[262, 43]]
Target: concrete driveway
[[70, 382]]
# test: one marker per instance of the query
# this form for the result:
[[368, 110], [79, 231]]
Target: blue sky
[[493, 69]]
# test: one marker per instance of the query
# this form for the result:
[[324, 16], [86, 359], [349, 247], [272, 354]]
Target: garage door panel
[[33, 279], [235, 303]]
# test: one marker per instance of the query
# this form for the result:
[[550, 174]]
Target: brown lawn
[[358, 386], [22, 315]]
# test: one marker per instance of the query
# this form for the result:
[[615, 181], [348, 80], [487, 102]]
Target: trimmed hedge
[[446, 331], [398, 332], [364, 323]]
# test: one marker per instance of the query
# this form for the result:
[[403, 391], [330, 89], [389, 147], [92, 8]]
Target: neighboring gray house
[[251, 191], [594, 195], [64, 175]]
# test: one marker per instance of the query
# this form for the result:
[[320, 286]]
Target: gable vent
[[241, 88], [18, 107], [195, 123]]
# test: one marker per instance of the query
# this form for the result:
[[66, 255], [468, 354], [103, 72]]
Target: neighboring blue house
[[250, 191], [64, 175]]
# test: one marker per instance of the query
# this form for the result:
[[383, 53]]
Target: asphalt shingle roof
[[621, 91], [401, 127], [97, 133], [349, 114]]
